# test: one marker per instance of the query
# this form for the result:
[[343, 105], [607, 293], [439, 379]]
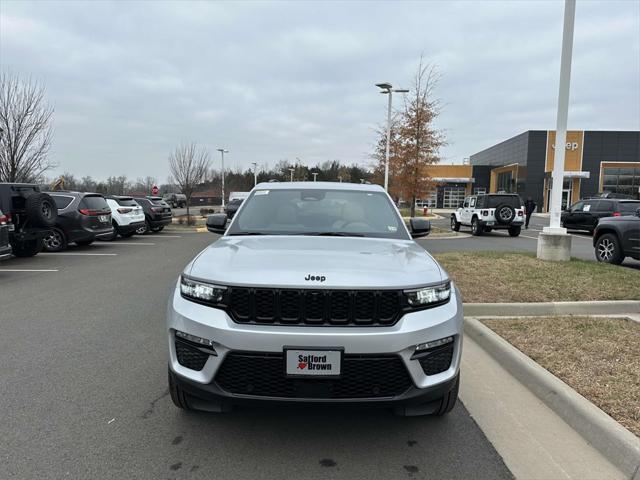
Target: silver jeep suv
[[315, 293]]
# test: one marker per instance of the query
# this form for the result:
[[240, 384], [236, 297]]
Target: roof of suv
[[319, 186]]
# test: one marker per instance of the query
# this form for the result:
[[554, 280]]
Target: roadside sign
[[154, 190]]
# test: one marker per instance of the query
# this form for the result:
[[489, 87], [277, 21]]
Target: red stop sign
[[154, 190]]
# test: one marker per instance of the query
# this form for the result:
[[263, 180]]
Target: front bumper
[[398, 340], [5, 252]]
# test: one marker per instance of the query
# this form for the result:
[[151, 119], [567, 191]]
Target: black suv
[[585, 214], [232, 207], [617, 237], [157, 214], [5, 246], [30, 212], [82, 218], [176, 200]]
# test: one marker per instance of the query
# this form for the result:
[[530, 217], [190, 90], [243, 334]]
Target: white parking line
[[163, 236], [527, 236], [24, 270], [73, 254], [126, 243]]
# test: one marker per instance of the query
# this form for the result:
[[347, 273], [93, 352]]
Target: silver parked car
[[316, 293]]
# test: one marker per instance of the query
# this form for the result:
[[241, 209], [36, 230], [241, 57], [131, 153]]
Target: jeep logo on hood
[[315, 278]]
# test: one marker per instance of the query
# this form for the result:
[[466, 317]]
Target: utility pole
[[222, 152], [255, 173], [292, 170], [387, 89], [315, 174], [553, 242]]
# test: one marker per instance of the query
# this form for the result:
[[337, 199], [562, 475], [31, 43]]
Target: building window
[[505, 181], [621, 180], [453, 196], [479, 191]]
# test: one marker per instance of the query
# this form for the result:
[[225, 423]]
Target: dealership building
[[595, 162]]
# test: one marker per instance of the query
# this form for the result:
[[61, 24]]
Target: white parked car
[[126, 214]]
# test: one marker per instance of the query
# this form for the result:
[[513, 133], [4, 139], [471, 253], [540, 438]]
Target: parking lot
[[84, 374], [581, 242]]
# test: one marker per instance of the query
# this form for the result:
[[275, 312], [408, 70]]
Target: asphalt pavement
[[499, 240], [84, 390]]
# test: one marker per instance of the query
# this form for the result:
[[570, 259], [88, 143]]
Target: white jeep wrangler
[[494, 211]]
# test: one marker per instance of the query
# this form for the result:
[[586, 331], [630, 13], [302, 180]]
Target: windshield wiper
[[333, 234]]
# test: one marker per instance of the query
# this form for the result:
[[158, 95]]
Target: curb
[[610, 438], [612, 307]]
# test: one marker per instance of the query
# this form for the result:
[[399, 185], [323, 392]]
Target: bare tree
[[188, 165], [25, 119]]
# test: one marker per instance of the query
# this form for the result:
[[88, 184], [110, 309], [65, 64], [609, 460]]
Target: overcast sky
[[280, 80]]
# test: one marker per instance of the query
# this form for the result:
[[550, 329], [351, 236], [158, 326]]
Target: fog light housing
[[435, 343], [204, 343]]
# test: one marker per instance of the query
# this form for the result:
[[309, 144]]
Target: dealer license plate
[[313, 362]]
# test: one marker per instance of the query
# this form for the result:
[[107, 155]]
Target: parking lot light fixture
[[222, 152], [387, 89]]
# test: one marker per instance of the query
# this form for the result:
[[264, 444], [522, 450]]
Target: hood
[[316, 262]]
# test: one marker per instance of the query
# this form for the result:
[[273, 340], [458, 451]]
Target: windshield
[[355, 213]]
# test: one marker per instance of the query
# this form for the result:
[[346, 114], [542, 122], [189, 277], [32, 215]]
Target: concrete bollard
[[554, 246]]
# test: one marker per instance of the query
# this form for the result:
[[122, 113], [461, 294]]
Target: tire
[[56, 241], [455, 224], [449, 400], [608, 249], [28, 248], [157, 229], [487, 229], [515, 231], [505, 214], [143, 230], [84, 243], [178, 396], [476, 227], [41, 210]]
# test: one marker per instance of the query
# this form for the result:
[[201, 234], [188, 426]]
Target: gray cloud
[[268, 81]]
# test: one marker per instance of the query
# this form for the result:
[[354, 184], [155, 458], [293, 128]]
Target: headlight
[[200, 291], [424, 297]]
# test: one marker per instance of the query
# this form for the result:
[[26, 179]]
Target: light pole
[[554, 243], [292, 170], [387, 89], [222, 152], [315, 174], [255, 173]]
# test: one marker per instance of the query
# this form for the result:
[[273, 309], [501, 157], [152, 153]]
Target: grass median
[[519, 277], [597, 357]]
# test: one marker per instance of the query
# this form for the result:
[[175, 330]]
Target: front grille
[[437, 360], [189, 356], [313, 307], [263, 375]]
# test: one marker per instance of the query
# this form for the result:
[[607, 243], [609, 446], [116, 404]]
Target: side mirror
[[420, 227], [217, 223]]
